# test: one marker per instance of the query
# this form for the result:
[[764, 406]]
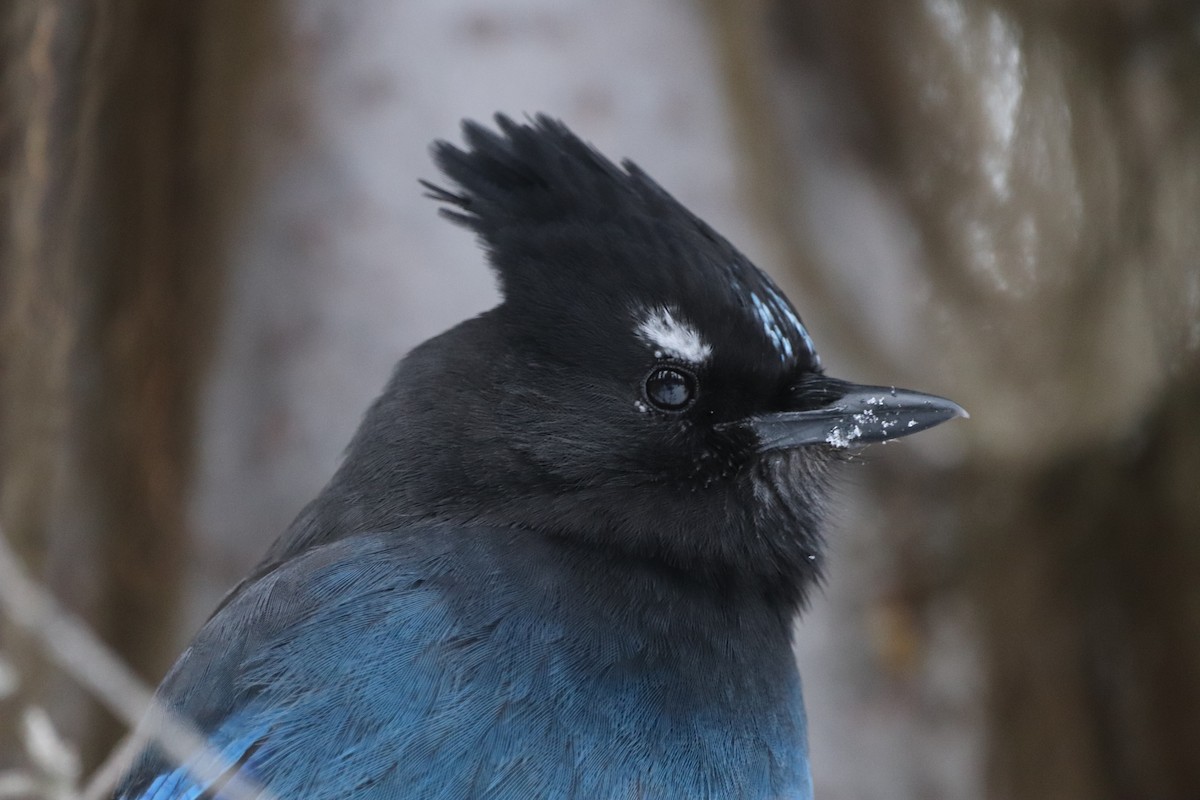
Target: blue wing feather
[[385, 666]]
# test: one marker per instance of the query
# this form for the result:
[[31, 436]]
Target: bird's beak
[[843, 414]]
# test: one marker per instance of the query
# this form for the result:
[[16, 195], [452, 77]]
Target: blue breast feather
[[445, 666]]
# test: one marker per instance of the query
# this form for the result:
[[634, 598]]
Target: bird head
[[642, 387]]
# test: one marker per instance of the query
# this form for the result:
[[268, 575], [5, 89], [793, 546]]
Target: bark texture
[[118, 136]]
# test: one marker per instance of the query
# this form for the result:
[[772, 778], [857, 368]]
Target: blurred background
[[214, 249]]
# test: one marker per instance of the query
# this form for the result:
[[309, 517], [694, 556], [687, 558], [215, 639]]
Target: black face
[[686, 400], [642, 387], [642, 384], [624, 426]]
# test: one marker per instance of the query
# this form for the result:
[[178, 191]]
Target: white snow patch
[[671, 336], [842, 438], [866, 417]]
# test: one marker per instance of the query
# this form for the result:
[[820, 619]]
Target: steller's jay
[[564, 552]]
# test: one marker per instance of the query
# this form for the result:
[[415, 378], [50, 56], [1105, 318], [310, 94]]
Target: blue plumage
[[444, 662]]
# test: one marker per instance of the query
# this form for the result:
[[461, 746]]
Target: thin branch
[[69, 643], [106, 776]]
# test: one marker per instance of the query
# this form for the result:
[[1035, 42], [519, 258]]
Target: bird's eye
[[670, 389]]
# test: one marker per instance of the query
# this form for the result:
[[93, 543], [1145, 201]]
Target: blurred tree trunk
[[119, 126], [1084, 572], [1047, 157]]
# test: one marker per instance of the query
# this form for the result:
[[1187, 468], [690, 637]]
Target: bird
[[563, 554]]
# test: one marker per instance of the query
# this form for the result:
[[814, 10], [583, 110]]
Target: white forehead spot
[[670, 336]]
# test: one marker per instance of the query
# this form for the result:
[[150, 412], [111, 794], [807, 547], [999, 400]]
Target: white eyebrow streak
[[670, 336]]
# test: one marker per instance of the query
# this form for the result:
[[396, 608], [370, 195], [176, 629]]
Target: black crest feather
[[539, 197], [540, 172], [560, 221]]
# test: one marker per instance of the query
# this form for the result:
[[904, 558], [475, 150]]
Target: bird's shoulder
[[359, 625], [468, 662]]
